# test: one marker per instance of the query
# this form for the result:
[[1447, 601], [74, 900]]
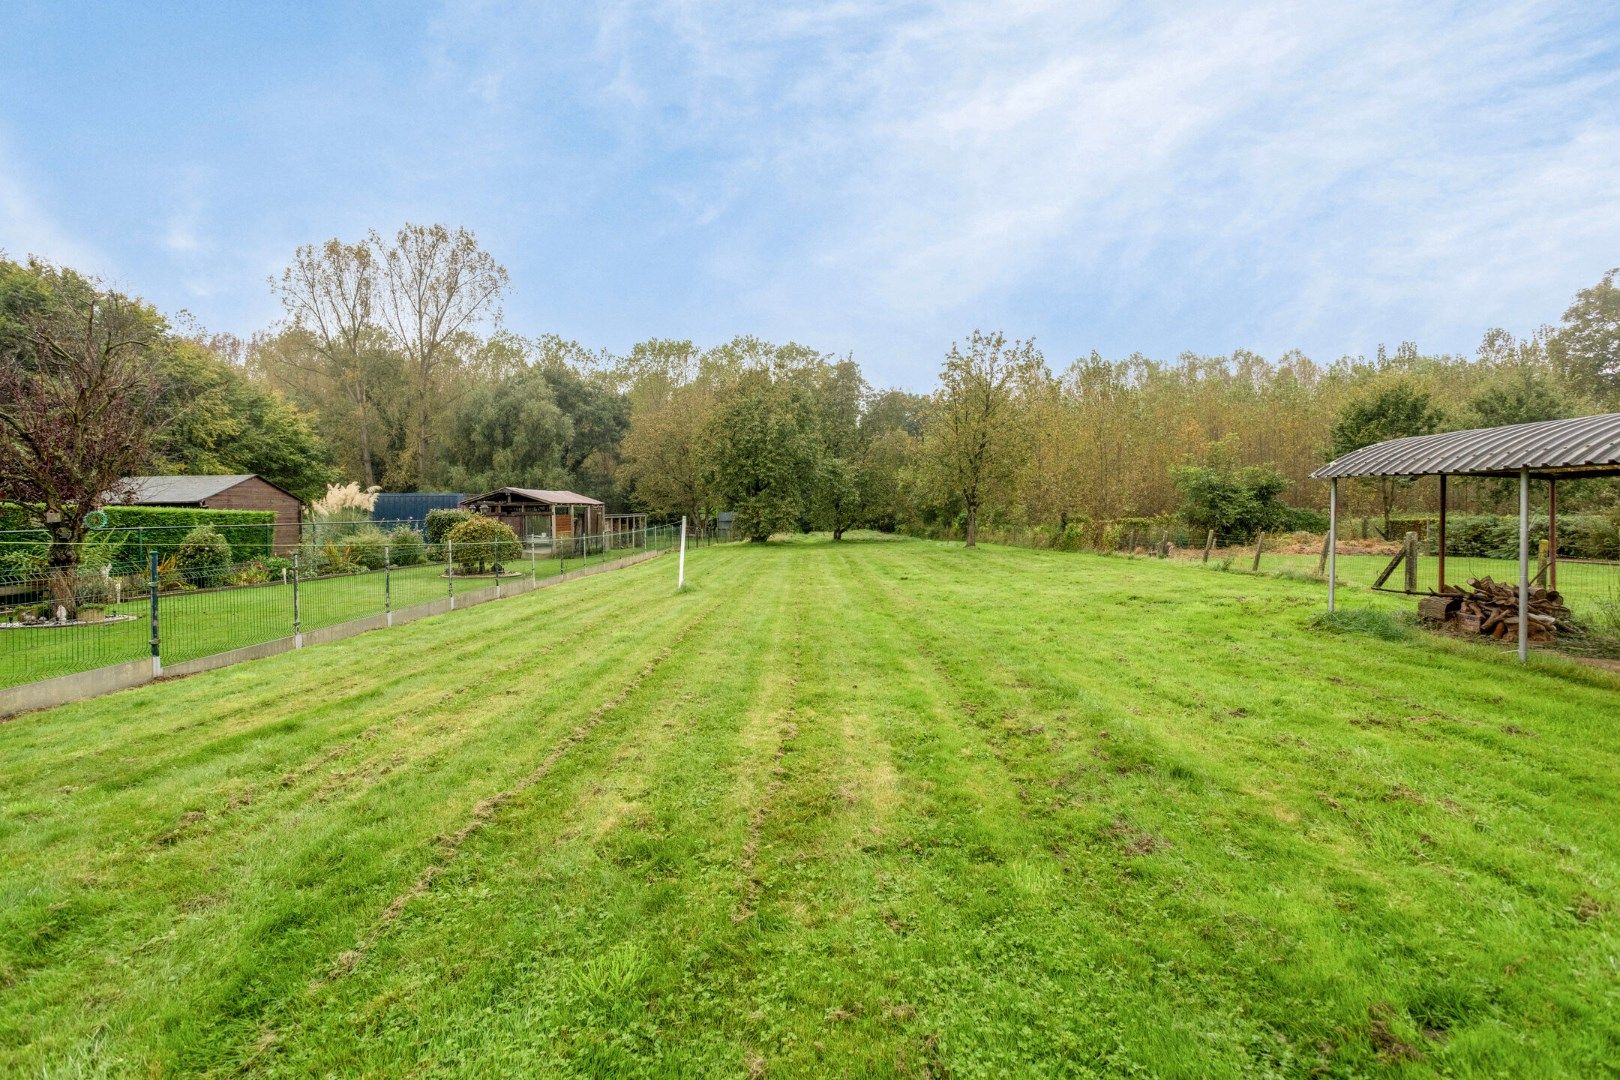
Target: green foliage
[[438, 523], [226, 423], [507, 432], [406, 547], [762, 453], [133, 530], [333, 526], [1521, 397], [975, 444], [1587, 344], [1395, 411], [203, 557], [251, 573], [335, 557], [482, 541], [1235, 502], [21, 563], [1301, 519], [367, 546]]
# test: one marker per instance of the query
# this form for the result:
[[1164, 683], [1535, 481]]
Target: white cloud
[[1366, 161]]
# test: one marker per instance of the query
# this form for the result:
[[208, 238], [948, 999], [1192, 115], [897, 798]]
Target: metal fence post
[[450, 570], [152, 567], [680, 572], [298, 634], [388, 587]]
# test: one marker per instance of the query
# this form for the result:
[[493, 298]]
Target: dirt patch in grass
[[1391, 1048], [1586, 907], [1134, 841]]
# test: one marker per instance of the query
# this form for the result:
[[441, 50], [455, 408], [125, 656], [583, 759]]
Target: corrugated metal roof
[[1584, 445], [166, 490], [555, 498]]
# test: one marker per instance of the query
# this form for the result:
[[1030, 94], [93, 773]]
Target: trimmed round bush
[[406, 547], [203, 558], [438, 523], [482, 541], [367, 546]]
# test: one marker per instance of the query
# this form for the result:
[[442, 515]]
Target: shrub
[[341, 499], [1236, 503], [132, 531], [406, 547], [337, 559], [92, 585], [204, 558], [481, 541], [1302, 519], [171, 578], [21, 563], [251, 573], [438, 523], [367, 546]]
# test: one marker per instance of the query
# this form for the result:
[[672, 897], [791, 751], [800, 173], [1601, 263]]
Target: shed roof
[[170, 490], [554, 498], [1583, 446]]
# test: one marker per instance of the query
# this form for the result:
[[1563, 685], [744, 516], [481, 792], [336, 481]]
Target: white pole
[[1524, 565], [1333, 539], [680, 573]]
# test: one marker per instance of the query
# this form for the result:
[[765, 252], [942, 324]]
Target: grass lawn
[[217, 620], [872, 808]]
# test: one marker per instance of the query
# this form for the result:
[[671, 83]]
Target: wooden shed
[[233, 492], [547, 519]]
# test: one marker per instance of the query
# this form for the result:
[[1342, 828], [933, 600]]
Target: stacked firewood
[[1492, 608]]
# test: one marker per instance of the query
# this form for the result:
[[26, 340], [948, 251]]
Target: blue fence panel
[[412, 506]]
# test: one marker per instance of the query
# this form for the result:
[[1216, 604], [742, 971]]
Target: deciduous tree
[[974, 441], [1395, 411], [78, 390], [436, 289]]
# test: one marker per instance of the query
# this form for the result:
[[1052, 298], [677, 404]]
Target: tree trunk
[[973, 526], [365, 447], [61, 563], [838, 532]]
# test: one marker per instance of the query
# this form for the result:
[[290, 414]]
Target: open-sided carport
[[1550, 450]]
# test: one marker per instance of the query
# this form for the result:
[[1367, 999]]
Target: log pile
[[1492, 608]]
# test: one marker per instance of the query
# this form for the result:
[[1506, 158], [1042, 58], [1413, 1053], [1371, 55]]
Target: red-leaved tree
[[78, 387]]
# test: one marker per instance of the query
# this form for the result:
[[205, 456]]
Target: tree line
[[392, 367]]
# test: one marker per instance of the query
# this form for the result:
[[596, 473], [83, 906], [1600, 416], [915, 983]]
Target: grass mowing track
[[880, 807]]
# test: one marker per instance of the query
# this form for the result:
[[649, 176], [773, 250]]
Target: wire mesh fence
[[88, 615]]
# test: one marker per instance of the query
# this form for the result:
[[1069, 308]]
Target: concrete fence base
[[48, 693]]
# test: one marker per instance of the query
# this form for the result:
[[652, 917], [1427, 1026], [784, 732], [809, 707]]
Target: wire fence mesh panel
[[337, 598], [204, 610], [69, 621], [91, 616]]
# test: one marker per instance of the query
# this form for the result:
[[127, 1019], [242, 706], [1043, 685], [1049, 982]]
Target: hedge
[[132, 531]]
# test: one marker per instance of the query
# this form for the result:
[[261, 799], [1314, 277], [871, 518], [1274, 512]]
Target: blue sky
[[869, 178]]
